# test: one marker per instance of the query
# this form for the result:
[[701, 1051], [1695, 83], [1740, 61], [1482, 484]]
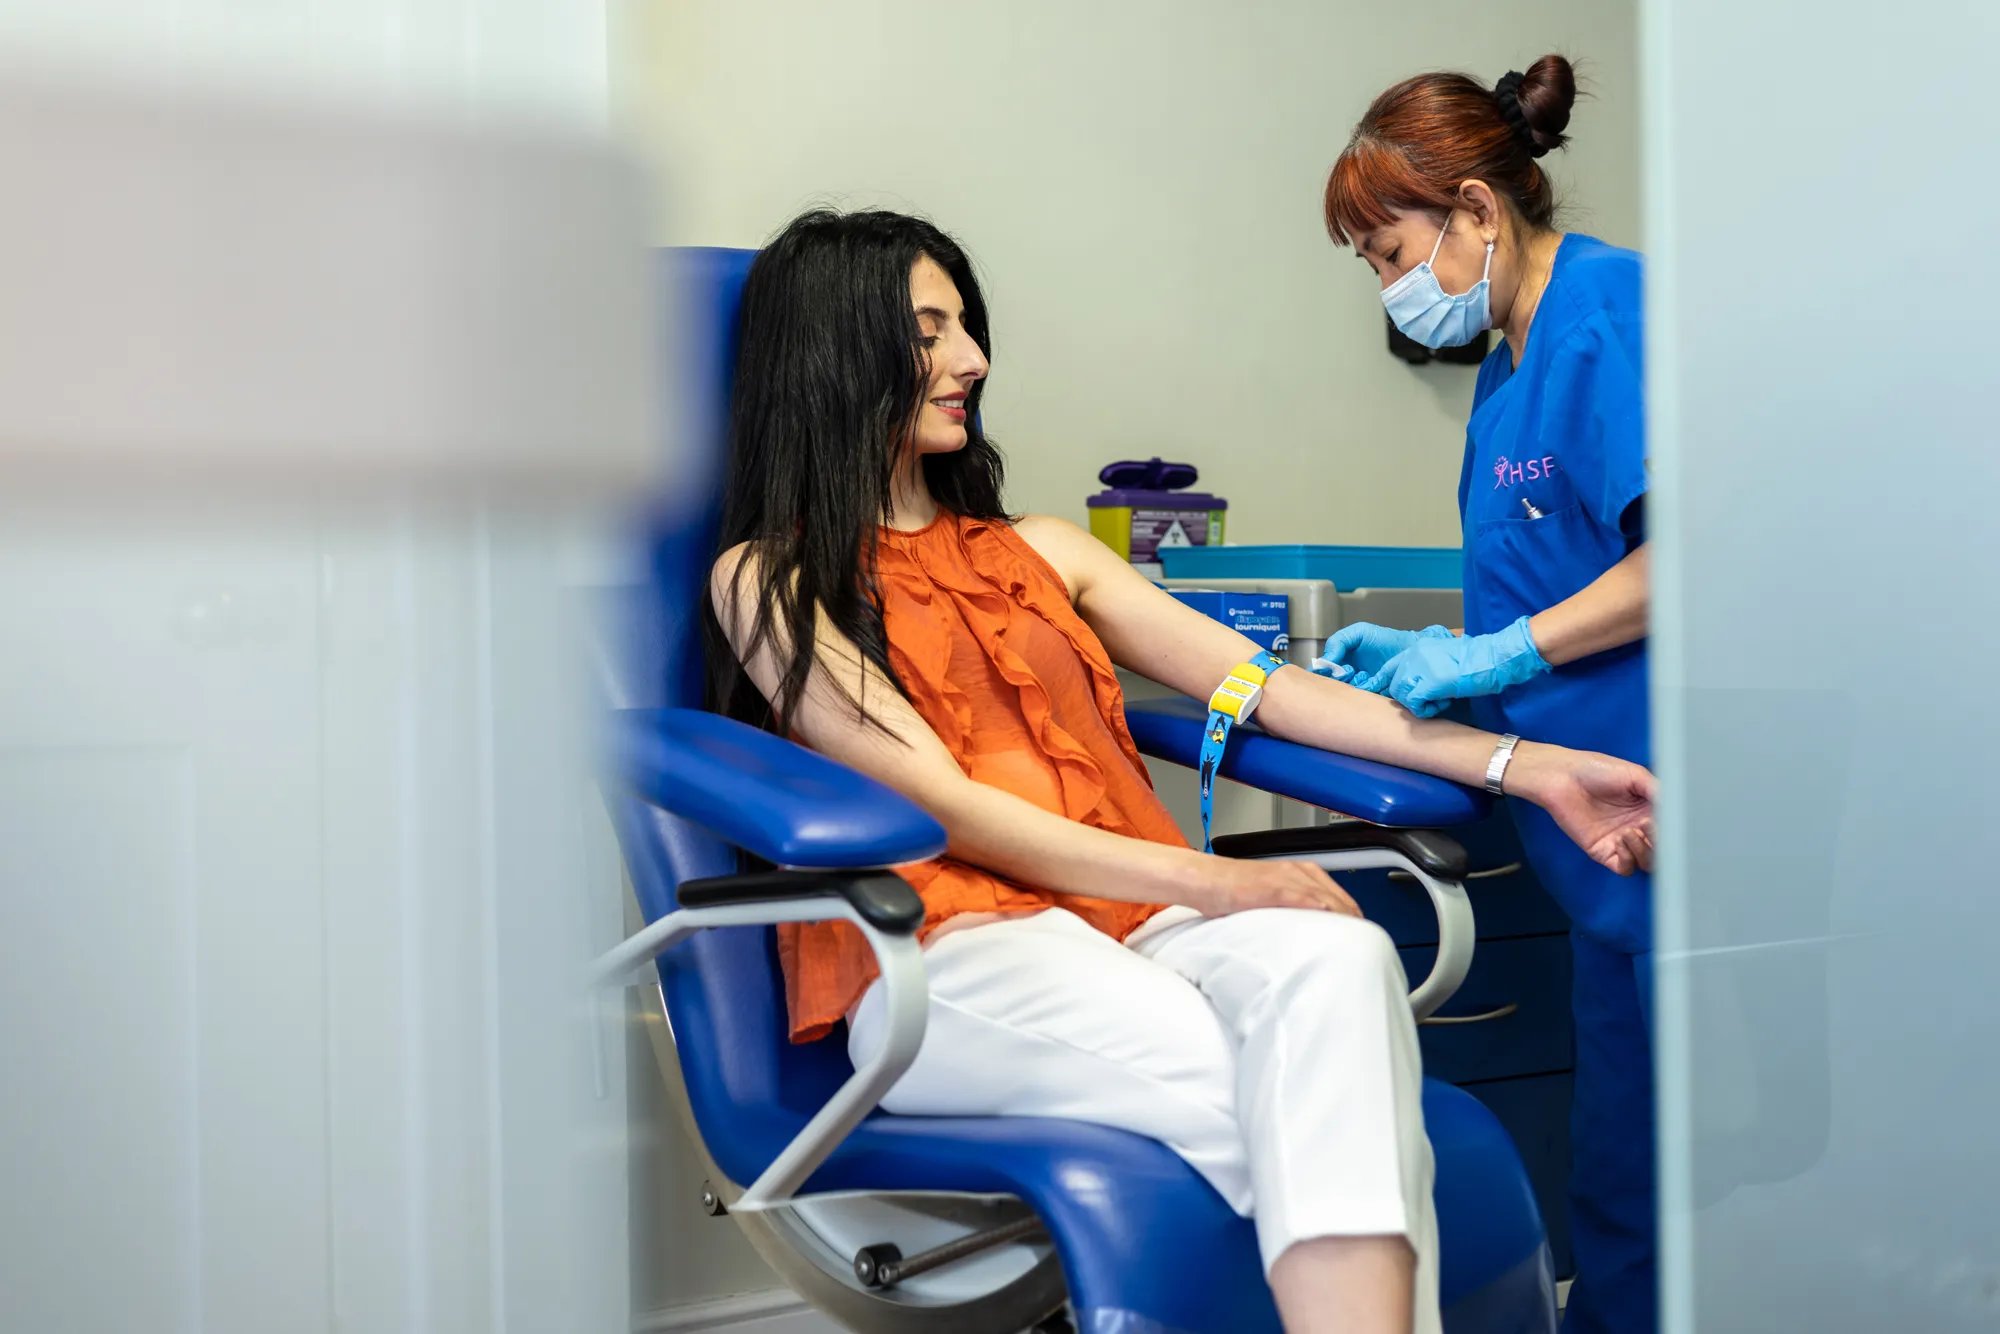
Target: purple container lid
[[1154, 474], [1152, 484]]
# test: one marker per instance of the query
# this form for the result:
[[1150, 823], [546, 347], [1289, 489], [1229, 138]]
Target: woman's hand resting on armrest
[[1218, 886]]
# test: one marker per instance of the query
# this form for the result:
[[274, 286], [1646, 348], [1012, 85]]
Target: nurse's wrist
[[1546, 633], [1529, 655]]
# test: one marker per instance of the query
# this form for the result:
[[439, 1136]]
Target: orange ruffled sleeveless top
[[997, 661]]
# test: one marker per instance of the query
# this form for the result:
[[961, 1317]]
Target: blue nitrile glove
[[1431, 673], [1362, 649]]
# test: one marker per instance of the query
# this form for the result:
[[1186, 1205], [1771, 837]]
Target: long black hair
[[830, 377]]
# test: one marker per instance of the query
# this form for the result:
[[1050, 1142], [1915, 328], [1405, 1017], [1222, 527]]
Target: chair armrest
[[762, 793], [1434, 853], [1437, 862], [885, 910], [1170, 729]]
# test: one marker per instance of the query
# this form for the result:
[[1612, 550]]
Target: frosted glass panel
[[541, 57], [1821, 348]]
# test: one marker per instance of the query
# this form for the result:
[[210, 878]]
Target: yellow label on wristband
[[1244, 684]]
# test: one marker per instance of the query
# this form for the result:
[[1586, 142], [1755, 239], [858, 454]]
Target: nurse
[[1442, 193]]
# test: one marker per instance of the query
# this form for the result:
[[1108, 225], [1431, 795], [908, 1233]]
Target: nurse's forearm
[[1609, 614]]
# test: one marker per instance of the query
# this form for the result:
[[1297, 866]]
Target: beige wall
[[1139, 184]]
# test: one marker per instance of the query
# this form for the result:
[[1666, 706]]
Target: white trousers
[[1272, 1050]]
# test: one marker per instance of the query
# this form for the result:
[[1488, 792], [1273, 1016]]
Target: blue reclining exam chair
[[937, 1225]]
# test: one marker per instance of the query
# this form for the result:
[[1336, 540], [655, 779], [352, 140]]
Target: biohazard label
[[1153, 529]]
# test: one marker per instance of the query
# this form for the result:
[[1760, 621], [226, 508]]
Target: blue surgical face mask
[[1424, 311]]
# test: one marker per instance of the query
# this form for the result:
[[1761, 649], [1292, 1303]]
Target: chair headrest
[[702, 288], [650, 655]]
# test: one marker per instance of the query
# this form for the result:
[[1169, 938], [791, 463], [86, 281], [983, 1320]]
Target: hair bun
[[1546, 94]]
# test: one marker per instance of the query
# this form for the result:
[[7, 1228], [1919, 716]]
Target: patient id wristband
[[1233, 702], [1496, 768]]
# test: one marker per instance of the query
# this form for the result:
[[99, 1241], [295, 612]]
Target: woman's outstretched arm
[[1603, 803]]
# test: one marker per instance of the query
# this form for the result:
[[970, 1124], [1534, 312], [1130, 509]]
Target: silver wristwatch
[[1496, 768]]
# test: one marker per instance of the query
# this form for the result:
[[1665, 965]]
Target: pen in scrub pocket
[[1529, 506]]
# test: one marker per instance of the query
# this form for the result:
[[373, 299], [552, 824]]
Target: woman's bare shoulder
[[1063, 546]]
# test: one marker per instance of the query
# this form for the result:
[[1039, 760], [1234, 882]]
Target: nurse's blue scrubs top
[[1565, 431]]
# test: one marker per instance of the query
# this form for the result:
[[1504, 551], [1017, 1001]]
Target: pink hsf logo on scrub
[[1506, 472]]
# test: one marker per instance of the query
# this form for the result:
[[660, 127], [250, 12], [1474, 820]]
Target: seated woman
[[875, 600]]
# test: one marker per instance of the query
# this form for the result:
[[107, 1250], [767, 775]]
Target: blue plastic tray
[[1346, 567]]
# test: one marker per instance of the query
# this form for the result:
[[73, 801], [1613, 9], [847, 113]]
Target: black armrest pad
[[1431, 852], [883, 899]]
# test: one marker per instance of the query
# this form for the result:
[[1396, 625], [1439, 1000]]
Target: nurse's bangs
[[1368, 184]]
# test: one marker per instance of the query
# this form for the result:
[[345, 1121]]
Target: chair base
[[812, 1245], [1001, 1294]]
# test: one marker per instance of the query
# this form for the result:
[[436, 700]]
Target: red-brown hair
[[1427, 135]]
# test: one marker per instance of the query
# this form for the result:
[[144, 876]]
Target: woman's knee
[[1329, 944]]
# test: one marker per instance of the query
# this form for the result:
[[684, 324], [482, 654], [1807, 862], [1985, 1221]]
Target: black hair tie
[[1507, 93]]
